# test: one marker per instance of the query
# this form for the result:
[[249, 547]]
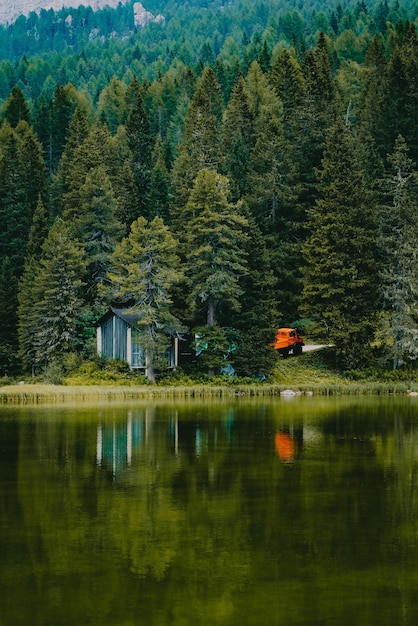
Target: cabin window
[[138, 354]]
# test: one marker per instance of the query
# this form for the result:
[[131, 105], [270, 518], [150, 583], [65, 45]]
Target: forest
[[241, 166]]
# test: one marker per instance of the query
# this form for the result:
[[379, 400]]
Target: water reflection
[[230, 513]]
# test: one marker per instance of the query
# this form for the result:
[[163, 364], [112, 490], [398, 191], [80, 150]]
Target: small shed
[[119, 338]]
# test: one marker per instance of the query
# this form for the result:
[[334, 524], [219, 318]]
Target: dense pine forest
[[234, 168]]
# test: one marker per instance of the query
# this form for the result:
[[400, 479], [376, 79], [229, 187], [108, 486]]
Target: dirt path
[[310, 347]]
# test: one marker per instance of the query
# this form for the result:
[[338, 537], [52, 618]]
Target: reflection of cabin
[[118, 338]]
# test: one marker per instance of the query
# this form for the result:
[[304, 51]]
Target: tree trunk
[[149, 368], [211, 311]]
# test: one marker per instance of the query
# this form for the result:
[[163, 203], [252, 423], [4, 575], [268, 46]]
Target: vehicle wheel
[[285, 353], [297, 349]]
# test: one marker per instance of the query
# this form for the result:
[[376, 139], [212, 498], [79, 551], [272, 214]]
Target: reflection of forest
[[203, 514]]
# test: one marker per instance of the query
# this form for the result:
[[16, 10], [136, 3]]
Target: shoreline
[[46, 393]]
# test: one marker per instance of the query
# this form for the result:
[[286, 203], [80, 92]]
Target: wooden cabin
[[119, 338]]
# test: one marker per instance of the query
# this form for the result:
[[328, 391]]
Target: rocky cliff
[[10, 10]]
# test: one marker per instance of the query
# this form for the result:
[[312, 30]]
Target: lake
[[283, 511]]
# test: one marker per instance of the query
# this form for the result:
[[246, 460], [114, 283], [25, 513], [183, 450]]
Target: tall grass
[[39, 394]]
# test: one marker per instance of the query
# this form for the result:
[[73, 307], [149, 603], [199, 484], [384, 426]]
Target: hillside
[[257, 162]]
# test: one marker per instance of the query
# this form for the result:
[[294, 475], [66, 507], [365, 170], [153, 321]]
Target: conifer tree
[[15, 204], [372, 96], [238, 138], [8, 316], [317, 114], [340, 290], [96, 149], [287, 79], [399, 249], [16, 109], [259, 315], [97, 228], [159, 191], [200, 147], [28, 296], [38, 230], [32, 158], [58, 304], [215, 238], [61, 182], [140, 143], [144, 270]]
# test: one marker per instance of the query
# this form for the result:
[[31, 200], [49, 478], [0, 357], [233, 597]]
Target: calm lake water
[[300, 511]]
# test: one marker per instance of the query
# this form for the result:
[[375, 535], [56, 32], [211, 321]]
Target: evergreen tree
[[259, 315], [38, 230], [97, 227], [273, 193], [238, 138], [58, 306], [8, 316], [111, 105], [61, 182], [340, 290], [318, 113], [144, 269], [290, 85], [159, 191], [28, 296], [372, 97], [200, 146], [32, 158], [140, 143], [399, 249], [96, 149], [16, 109], [215, 238], [15, 203]]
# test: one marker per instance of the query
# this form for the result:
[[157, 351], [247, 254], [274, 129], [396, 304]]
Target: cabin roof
[[127, 315]]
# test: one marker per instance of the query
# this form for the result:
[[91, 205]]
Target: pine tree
[[28, 296], [61, 182], [57, 286], [340, 291], [140, 143], [317, 114], [159, 191], [288, 81], [15, 203], [259, 315], [238, 138], [372, 97], [215, 237], [97, 228], [38, 230], [200, 145], [16, 108], [399, 249], [8, 317], [144, 270], [32, 159]]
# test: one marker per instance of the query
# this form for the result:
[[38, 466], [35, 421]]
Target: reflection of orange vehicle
[[285, 447], [288, 340]]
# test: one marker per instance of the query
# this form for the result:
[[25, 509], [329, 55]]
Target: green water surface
[[299, 511]]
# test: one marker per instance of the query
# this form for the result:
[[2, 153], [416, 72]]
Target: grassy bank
[[309, 374]]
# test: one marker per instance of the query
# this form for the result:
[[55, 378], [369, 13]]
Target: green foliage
[[221, 123], [144, 270], [214, 239], [340, 290]]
